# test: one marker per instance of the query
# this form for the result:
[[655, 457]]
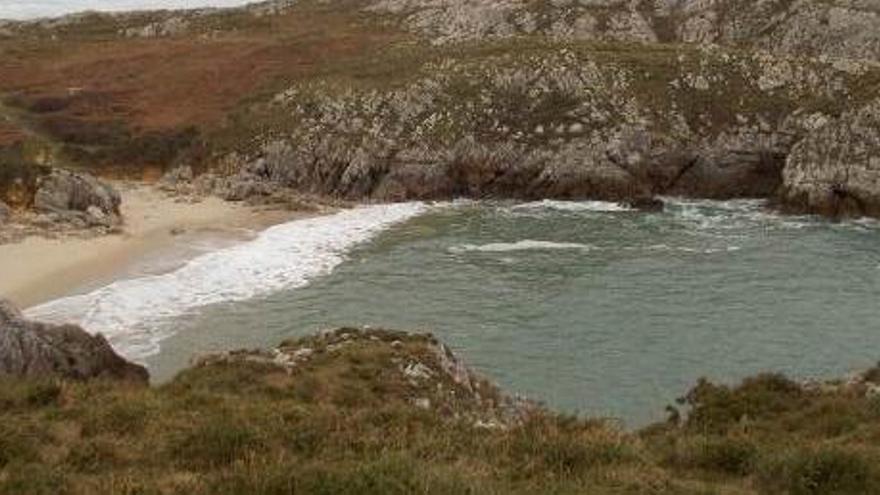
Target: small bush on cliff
[[824, 471], [726, 455], [718, 408], [16, 394]]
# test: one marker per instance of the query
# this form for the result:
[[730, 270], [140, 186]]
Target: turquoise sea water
[[586, 306]]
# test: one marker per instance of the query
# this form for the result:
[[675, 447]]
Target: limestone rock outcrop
[[416, 369], [836, 170], [78, 194], [33, 349], [839, 28], [568, 123]]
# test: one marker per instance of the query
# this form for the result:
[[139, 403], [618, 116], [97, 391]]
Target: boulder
[[33, 349], [62, 191], [731, 173], [175, 178]]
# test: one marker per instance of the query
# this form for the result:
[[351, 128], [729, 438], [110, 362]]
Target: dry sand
[[156, 227]]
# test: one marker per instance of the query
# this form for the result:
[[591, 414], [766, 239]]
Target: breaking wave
[[134, 314], [525, 245], [573, 206]]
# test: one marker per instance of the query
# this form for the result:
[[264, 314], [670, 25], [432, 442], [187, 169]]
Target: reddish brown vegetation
[[109, 90], [9, 134]]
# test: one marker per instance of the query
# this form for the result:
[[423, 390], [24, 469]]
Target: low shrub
[[29, 394], [822, 471], [34, 479], [716, 408], [726, 455]]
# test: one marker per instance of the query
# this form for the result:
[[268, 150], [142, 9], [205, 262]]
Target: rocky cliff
[[398, 99], [836, 169], [561, 120], [31, 349]]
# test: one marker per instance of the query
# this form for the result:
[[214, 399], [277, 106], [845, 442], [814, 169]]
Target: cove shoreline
[[160, 233]]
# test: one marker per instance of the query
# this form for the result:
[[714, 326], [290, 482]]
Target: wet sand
[[159, 234]]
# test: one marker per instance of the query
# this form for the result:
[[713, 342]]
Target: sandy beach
[[159, 234]]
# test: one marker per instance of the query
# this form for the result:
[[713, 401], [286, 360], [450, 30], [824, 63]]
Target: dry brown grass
[[344, 423], [101, 90], [10, 134]]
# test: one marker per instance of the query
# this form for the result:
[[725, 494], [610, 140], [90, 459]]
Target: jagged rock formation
[[559, 121], [836, 170], [35, 349], [79, 196], [54, 200], [603, 99], [848, 29]]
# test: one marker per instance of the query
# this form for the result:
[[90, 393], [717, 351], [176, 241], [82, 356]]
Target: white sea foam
[[525, 245], [133, 314], [684, 249], [597, 206], [532, 245], [707, 216]]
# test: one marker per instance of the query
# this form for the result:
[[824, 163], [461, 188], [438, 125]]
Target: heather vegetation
[[403, 99]]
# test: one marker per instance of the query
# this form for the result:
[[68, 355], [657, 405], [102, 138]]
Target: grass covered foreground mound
[[379, 412]]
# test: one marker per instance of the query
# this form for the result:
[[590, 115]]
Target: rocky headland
[[410, 99]]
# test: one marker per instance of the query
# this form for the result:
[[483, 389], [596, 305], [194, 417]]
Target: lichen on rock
[[836, 169]]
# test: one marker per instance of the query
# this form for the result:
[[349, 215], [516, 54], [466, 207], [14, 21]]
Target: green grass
[[390, 59], [344, 422]]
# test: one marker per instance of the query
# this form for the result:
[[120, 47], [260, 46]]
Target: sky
[[29, 9]]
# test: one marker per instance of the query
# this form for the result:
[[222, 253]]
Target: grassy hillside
[[384, 412], [118, 97], [397, 99], [134, 94]]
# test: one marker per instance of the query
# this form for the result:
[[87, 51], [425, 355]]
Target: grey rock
[[454, 367], [836, 170], [32, 349], [172, 26], [63, 191], [96, 216], [417, 371], [836, 28], [604, 139], [177, 176]]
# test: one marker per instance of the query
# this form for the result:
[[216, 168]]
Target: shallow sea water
[[587, 306]]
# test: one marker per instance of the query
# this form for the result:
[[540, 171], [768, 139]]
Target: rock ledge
[[32, 349]]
